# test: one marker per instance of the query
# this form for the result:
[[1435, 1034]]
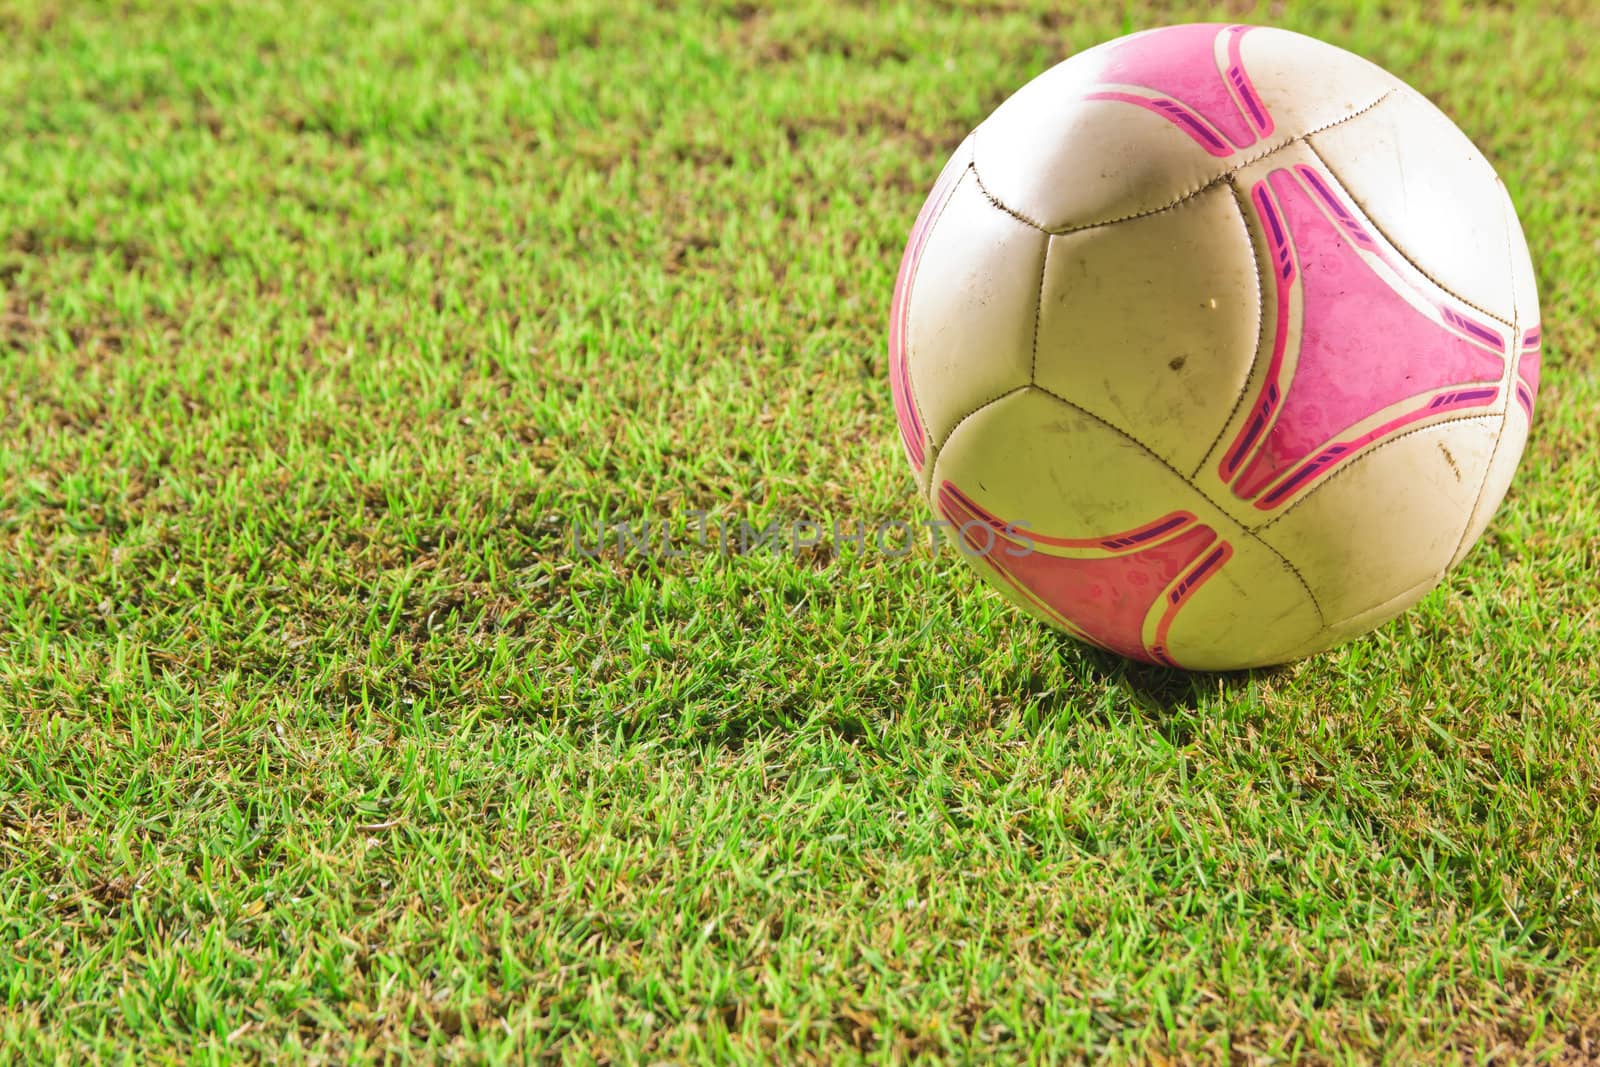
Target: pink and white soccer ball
[[1216, 346]]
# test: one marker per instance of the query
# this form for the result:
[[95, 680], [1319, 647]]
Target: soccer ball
[[1215, 346]]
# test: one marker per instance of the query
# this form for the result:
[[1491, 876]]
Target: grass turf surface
[[321, 326]]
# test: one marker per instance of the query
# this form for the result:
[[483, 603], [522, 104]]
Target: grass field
[[322, 326]]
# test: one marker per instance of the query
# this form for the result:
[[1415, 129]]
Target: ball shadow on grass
[[1160, 690]]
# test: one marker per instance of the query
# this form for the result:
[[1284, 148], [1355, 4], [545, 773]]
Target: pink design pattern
[[1528, 371], [1364, 348], [1102, 590], [1177, 67], [912, 435]]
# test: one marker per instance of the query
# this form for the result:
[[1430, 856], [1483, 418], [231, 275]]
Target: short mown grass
[[322, 327]]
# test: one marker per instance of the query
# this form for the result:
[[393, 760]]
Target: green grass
[[318, 327]]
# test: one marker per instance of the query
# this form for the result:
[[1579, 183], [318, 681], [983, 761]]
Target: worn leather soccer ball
[[1215, 345]]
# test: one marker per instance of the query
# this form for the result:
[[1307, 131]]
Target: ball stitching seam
[[1403, 254], [1153, 454], [939, 447], [1356, 460], [911, 284], [1261, 316], [1509, 385], [1210, 183]]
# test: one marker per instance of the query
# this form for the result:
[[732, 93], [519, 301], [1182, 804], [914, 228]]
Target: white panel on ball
[[1429, 191], [970, 328], [1389, 520], [1152, 323]]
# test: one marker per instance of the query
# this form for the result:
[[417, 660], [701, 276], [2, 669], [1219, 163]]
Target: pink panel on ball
[[912, 435], [1254, 108], [1528, 371], [1363, 346], [1284, 275], [1330, 456], [1180, 64], [1107, 590]]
